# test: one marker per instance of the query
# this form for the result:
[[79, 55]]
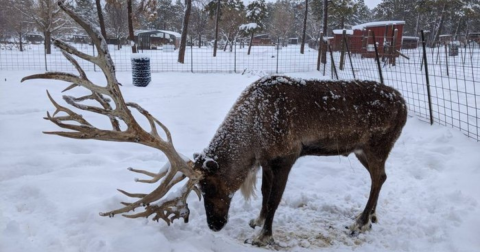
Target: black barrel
[[141, 70]]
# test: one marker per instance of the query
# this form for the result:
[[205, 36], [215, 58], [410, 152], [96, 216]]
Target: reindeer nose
[[216, 223]]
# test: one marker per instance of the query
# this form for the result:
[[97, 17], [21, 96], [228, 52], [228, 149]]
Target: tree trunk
[[302, 46], [199, 40], [325, 22], [217, 19], [438, 29], [100, 19], [183, 40], [48, 42], [131, 35], [250, 45], [20, 42]]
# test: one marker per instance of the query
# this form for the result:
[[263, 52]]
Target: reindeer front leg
[[277, 171], [266, 189]]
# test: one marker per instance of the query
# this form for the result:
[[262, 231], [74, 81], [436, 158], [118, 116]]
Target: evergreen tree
[[363, 13], [255, 14], [342, 13]]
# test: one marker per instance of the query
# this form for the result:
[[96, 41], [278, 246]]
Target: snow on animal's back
[[293, 97], [280, 109]]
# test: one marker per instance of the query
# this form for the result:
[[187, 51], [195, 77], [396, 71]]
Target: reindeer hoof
[[262, 241], [373, 218], [255, 223], [358, 227], [252, 223]]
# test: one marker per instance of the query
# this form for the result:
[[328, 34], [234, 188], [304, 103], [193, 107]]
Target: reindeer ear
[[211, 165]]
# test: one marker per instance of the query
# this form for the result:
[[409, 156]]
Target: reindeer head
[[217, 194]]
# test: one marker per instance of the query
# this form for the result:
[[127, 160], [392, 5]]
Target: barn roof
[[156, 32], [377, 24], [340, 31]]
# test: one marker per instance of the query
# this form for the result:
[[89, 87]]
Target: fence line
[[451, 71]]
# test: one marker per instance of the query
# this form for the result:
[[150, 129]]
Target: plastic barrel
[[141, 70]]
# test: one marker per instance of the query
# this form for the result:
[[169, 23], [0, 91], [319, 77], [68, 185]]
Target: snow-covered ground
[[52, 188]]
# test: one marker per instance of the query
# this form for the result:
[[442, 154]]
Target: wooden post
[[377, 57], [319, 58], [342, 54], [394, 48]]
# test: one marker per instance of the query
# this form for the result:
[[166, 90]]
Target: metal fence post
[[45, 56], [446, 59], [427, 77], [334, 68], [378, 59], [191, 54], [278, 52], [349, 56], [235, 56]]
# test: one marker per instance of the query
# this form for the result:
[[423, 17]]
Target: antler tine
[[72, 116], [155, 176], [149, 117], [68, 78], [75, 64], [72, 50], [155, 195], [171, 208]]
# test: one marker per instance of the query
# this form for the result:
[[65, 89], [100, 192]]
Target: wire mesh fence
[[439, 83], [231, 58]]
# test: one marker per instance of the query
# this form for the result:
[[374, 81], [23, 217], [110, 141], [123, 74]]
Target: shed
[[336, 41], [384, 35], [410, 42], [445, 39], [155, 39], [473, 36], [262, 39], [34, 38]]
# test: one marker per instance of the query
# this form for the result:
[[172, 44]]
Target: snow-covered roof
[[410, 37], [376, 24], [249, 26], [340, 31], [175, 34]]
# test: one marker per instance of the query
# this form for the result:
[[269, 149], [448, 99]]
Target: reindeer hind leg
[[375, 164]]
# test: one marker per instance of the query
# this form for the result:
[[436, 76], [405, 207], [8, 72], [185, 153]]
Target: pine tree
[[363, 13], [256, 14]]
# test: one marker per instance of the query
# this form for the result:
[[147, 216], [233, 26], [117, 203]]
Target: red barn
[[360, 42], [384, 36]]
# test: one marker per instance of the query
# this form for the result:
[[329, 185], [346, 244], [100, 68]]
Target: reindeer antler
[[176, 170]]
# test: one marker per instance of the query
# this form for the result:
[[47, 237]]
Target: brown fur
[[278, 119]]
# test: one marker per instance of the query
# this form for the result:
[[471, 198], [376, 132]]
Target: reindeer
[[275, 121], [279, 119]]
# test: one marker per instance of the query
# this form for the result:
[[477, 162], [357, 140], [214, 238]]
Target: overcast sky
[[372, 3]]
